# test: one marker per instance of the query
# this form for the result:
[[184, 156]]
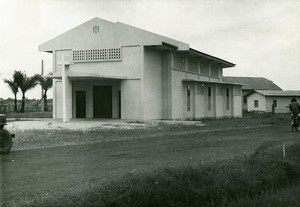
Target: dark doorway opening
[[102, 96], [119, 104], [80, 104]]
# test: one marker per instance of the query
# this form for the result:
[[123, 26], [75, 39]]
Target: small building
[[264, 100], [103, 69], [250, 84]]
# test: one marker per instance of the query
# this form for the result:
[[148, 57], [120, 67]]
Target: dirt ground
[[51, 124], [86, 124], [27, 173]]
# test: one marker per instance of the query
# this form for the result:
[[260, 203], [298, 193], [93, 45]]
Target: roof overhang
[[192, 52], [277, 93], [210, 82], [197, 53], [164, 46], [84, 76]]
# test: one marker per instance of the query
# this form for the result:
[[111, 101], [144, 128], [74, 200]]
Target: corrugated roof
[[290, 93], [253, 83]]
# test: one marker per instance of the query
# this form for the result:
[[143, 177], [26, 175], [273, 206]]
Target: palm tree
[[24, 83], [14, 88], [46, 84]]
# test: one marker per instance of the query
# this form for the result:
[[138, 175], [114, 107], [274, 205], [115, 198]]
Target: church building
[[103, 69]]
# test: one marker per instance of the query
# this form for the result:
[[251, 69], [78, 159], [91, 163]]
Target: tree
[[24, 83], [14, 88], [46, 84]]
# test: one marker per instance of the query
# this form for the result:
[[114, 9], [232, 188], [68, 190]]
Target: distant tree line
[[20, 82]]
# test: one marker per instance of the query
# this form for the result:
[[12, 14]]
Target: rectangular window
[[179, 61], [255, 103], [188, 91], [193, 64], [227, 98], [214, 70], [204, 68], [275, 103], [245, 99], [209, 98]]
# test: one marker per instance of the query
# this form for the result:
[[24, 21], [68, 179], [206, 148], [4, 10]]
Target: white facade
[[256, 102], [112, 70], [263, 102]]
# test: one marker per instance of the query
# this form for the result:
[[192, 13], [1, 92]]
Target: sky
[[260, 36]]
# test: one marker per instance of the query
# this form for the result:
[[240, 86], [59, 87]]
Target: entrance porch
[[96, 98], [79, 95]]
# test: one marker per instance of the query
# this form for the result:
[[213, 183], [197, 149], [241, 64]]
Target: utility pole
[[42, 73], [42, 98]]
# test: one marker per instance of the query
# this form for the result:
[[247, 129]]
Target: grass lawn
[[29, 115], [54, 163]]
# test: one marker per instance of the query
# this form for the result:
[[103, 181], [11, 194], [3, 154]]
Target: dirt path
[[27, 173]]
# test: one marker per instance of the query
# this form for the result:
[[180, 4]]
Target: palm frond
[[12, 85], [46, 83]]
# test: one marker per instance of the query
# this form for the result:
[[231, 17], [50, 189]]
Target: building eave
[[85, 76], [225, 63], [214, 82]]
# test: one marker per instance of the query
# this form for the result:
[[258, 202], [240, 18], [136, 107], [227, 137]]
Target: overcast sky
[[262, 37]]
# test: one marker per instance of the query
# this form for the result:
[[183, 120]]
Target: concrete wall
[[282, 104], [200, 104], [129, 66], [237, 109], [57, 99], [166, 86], [58, 56], [153, 84], [210, 111], [261, 102], [227, 109], [237, 103], [178, 93], [220, 102], [204, 101], [131, 99], [188, 114]]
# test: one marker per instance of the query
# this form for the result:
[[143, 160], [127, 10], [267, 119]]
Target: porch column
[[66, 90]]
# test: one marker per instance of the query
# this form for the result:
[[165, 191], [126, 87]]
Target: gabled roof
[[253, 83], [117, 34], [289, 93], [110, 33]]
